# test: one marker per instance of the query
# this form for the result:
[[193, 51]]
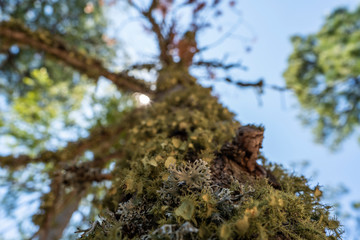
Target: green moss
[[163, 188]]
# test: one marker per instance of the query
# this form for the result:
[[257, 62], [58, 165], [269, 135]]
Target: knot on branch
[[239, 157]]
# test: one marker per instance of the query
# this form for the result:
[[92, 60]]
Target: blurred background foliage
[[31, 83], [80, 23], [324, 73], [44, 104]]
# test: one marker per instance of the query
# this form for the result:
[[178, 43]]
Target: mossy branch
[[16, 33]]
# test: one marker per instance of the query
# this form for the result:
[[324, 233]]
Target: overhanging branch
[[41, 40], [99, 140]]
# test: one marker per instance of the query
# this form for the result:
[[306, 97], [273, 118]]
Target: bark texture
[[16, 32], [239, 157]]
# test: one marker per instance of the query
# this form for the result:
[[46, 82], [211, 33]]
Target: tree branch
[[217, 64], [58, 208], [41, 40], [259, 84], [156, 28], [141, 66], [99, 140], [69, 185], [71, 182]]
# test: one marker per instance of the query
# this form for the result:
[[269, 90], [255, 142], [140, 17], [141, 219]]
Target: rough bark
[[239, 156]]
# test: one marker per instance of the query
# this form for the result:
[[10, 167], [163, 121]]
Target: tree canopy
[[323, 71], [31, 81]]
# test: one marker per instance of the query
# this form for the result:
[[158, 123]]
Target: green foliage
[[41, 93], [67, 20], [33, 119], [45, 99], [45, 103], [323, 71]]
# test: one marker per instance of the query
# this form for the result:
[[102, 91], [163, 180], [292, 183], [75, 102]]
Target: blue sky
[[286, 138]]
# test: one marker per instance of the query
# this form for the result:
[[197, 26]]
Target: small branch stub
[[239, 156]]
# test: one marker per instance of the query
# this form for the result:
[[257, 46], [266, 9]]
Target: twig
[[156, 28], [217, 64]]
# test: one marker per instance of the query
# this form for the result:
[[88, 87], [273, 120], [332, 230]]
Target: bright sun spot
[[142, 99]]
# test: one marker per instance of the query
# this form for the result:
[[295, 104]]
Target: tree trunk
[[188, 173]]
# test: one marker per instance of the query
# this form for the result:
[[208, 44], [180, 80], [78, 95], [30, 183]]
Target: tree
[[179, 168], [324, 72]]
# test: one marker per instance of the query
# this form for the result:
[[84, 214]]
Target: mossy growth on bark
[[163, 188]]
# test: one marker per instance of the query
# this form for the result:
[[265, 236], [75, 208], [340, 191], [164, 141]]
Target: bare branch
[[277, 88], [78, 175], [222, 38], [156, 28], [16, 32], [217, 64], [259, 84]]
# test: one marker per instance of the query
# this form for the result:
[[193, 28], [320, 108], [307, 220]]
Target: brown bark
[[69, 185], [43, 41], [239, 157], [59, 213]]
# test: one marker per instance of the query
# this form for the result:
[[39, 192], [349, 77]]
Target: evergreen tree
[[180, 166]]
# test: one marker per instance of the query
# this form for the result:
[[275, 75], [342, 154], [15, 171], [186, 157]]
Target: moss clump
[[163, 187]]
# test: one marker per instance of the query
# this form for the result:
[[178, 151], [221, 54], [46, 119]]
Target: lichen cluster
[[163, 188]]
